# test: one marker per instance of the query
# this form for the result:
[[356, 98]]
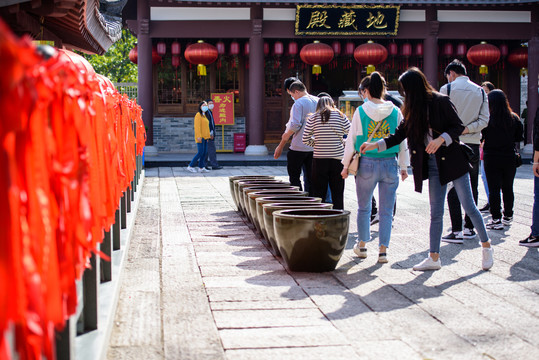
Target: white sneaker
[[488, 259], [191, 169], [428, 264], [203, 170], [361, 252]]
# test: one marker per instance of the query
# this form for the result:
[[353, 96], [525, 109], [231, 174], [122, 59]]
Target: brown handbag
[[354, 163]]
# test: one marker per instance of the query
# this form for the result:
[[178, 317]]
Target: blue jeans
[[384, 173], [484, 177], [535, 214], [436, 198], [202, 151]]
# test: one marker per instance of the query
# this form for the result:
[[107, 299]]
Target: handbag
[[354, 163], [468, 152]]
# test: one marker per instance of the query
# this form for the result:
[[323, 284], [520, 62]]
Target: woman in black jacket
[[503, 131], [432, 127]]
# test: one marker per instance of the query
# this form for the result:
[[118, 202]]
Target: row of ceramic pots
[[308, 234]]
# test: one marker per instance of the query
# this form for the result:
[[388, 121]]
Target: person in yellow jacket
[[202, 134]]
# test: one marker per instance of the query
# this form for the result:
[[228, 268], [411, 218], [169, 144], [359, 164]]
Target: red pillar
[[255, 114], [145, 76], [430, 46]]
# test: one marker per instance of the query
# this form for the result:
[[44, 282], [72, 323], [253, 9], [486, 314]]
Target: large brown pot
[[240, 184], [243, 177], [259, 201], [311, 239], [269, 208], [243, 196], [250, 206]]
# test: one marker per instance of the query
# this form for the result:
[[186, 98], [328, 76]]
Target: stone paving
[[200, 283]]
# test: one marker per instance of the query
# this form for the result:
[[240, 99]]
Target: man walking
[[471, 103], [212, 152], [299, 155]]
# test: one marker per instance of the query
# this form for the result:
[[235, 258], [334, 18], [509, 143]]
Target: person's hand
[[278, 152], [344, 173], [404, 174], [212, 137], [199, 139], [434, 145], [367, 147], [536, 170], [465, 131]]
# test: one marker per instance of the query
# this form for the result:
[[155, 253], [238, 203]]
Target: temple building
[[189, 51]]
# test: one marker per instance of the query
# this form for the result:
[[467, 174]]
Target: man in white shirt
[[299, 155], [471, 103]]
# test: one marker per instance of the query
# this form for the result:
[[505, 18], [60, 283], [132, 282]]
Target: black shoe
[[453, 237], [530, 241], [485, 208], [208, 168], [218, 167]]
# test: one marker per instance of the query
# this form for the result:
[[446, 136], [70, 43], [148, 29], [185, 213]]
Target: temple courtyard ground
[[201, 283]]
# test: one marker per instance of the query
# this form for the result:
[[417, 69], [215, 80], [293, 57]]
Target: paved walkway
[[200, 283]]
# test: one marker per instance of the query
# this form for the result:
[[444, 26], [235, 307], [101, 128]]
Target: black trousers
[[328, 172], [453, 202], [500, 171], [296, 161]]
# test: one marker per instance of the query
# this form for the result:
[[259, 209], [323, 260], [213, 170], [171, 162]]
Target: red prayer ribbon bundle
[[67, 149]]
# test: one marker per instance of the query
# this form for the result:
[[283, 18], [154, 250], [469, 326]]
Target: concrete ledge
[[256, 150], [94, 344]]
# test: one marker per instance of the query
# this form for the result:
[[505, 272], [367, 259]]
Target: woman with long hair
[[503, 131], [432, 127], [202, 134], [375, 119], [324, 131]]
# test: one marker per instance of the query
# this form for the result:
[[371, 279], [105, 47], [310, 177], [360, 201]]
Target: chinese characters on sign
[[347, 20], [223, 113]]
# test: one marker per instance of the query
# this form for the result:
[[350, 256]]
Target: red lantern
[[220, 46], [292, 52], [406, 50], [519, 58], [370, 54], [175, 61], [483, 55], [161, 48], [292, 48], [419, 49], [349, 48], [246, 49], [504, 50], [448, 50], [336, 46], [266, 49], [316, 54], [278, 48], [234, 48], [133, 55], [461, 50], [392, 49], [201, 54], [175, 48]]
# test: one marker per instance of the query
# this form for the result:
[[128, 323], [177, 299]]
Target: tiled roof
[[372, 2]]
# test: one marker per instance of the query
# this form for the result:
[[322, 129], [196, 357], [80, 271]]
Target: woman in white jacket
[[376, 168]]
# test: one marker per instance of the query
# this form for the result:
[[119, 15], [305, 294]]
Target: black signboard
[[347, 20]]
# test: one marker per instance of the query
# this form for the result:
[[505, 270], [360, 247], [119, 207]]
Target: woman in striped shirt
[[325, 131]]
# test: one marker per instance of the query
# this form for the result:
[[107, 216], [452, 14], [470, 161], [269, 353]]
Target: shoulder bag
[[354, 163]]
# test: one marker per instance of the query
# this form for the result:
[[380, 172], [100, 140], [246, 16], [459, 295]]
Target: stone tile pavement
[[200, 283]]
